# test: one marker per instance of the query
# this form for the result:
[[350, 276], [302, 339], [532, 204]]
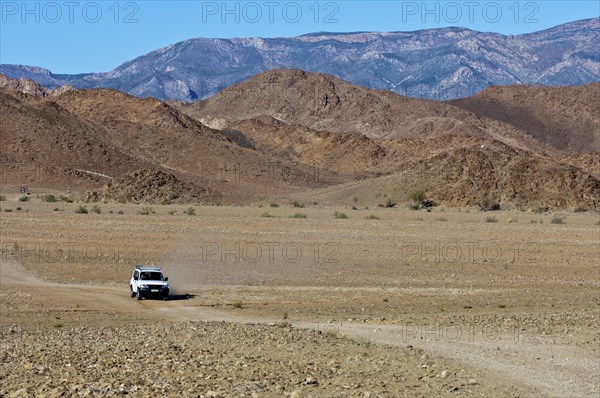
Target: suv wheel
[[131, 292], [139, 294]]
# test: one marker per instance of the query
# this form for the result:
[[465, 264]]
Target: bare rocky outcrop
[[28, 86], [149, 186]]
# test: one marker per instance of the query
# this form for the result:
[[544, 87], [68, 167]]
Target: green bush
[[299, 215], [238, 304], [120, 212], [414, 206], [190, 211], [267, 215], [541, 210], [390, 203], [558, 220], [372, 217], [48, 198], [417, 196], [442, 219], [339, 215], [172, 212], [298, 205], [66, 199], [274, 205], [8, 210], [579, 209], [488, 205], [2, 198], [146, 211], [96, 209], [81, 210], [491, 219], [24, 198]]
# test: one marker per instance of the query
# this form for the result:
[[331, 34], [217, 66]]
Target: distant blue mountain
[[441, 64]]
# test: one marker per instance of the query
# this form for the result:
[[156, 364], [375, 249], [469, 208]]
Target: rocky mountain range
[[288, 133], [441, 64]]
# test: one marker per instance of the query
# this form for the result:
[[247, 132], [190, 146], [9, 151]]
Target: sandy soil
[[409, 304]]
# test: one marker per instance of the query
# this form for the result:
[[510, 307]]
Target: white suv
[[148, 281]]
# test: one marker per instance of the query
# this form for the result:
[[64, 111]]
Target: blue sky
[[72, 36]]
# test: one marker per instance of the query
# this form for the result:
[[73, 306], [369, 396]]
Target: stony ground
[[218, 359]]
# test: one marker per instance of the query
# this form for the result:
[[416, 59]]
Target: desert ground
[[386, 302]]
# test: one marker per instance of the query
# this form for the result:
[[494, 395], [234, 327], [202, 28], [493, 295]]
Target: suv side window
[[135, 276]]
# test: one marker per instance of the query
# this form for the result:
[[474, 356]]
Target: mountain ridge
[[444, 63]]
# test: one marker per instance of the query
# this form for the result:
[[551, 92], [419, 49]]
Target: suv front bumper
[[154, 291]]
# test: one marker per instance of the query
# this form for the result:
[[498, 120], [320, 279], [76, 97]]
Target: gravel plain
[[377, 321]]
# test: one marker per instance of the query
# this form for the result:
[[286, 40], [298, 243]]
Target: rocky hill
[[469, 156], [87, 138], [43, 143], [331, 141], [325, 103], [564, 117], [471, 177]]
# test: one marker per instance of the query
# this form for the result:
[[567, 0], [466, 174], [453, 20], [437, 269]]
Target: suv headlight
[[143, 286]]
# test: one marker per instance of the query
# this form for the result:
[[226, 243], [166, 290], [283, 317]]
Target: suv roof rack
[[147, 268]]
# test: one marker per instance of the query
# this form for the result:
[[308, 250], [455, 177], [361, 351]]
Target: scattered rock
[[310, 381]]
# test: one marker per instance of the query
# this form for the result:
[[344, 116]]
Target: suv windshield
[[151, 276]]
